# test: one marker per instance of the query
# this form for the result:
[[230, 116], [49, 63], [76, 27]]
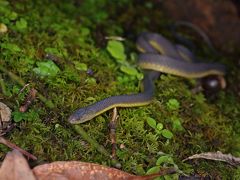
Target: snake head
[[81, 115]]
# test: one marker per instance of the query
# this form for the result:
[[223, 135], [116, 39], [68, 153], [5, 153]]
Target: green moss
[[75, 34]]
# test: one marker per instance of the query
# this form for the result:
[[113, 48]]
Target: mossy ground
[[74, 31]]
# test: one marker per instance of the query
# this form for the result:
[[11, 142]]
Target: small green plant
[[31, 115], [56, 51], [80, 66], [173, 104], [163, 161], [73, 32], [117, 51], [21, 25], [159, 128], [47, 68], [176, 124]]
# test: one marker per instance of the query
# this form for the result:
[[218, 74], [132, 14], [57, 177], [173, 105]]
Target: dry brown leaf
[[15, 167], [5, 115], [74, 170], [216, 156], [77, 170]]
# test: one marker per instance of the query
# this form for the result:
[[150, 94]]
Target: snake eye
[[213, 83]]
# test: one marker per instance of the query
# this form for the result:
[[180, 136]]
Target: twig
[[28, 100], [14, 77], [8, 129], [116, 38], [112, 127], [216, 156], [13, 146], [23, 88]]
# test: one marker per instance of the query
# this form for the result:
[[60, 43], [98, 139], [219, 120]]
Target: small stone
[[3, 28], [122, 146], [118, 166], [5, 113], [90, 72]]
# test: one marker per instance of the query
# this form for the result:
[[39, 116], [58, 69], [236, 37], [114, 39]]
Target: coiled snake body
[[157, 55]]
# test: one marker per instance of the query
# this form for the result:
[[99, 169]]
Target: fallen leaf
[[216, 156], [15, 167], [73, 170]]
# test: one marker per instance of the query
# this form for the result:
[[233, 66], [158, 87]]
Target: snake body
[[157, 55]]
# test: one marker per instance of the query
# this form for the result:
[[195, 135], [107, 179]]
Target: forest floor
[[82, 71]]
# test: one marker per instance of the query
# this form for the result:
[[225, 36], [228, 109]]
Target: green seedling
[[164, 161], [47, 68], [159, 128]]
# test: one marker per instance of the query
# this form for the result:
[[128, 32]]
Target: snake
[[157, 55]]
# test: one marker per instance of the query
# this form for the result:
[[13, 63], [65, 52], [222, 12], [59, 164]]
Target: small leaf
[[159, 126], [47, 68], [129, 70], [54, 51], [84, 31], [116, 49], [18, 116], [12, 16], [80, 66], [21, 24], [151, 122], [176, 123], [167, 134], [164, 159], [153, 170], [91, 81], [140, 76], [173, 104]]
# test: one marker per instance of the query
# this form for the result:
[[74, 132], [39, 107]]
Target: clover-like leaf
[[129, 70], [18, 116], [176, 123], [173, 104], [116, 49], [47, 68], [80, 66], [151, 122], [21, 24], [159, 126], [164, 159], [167, 134], [153, 170]]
